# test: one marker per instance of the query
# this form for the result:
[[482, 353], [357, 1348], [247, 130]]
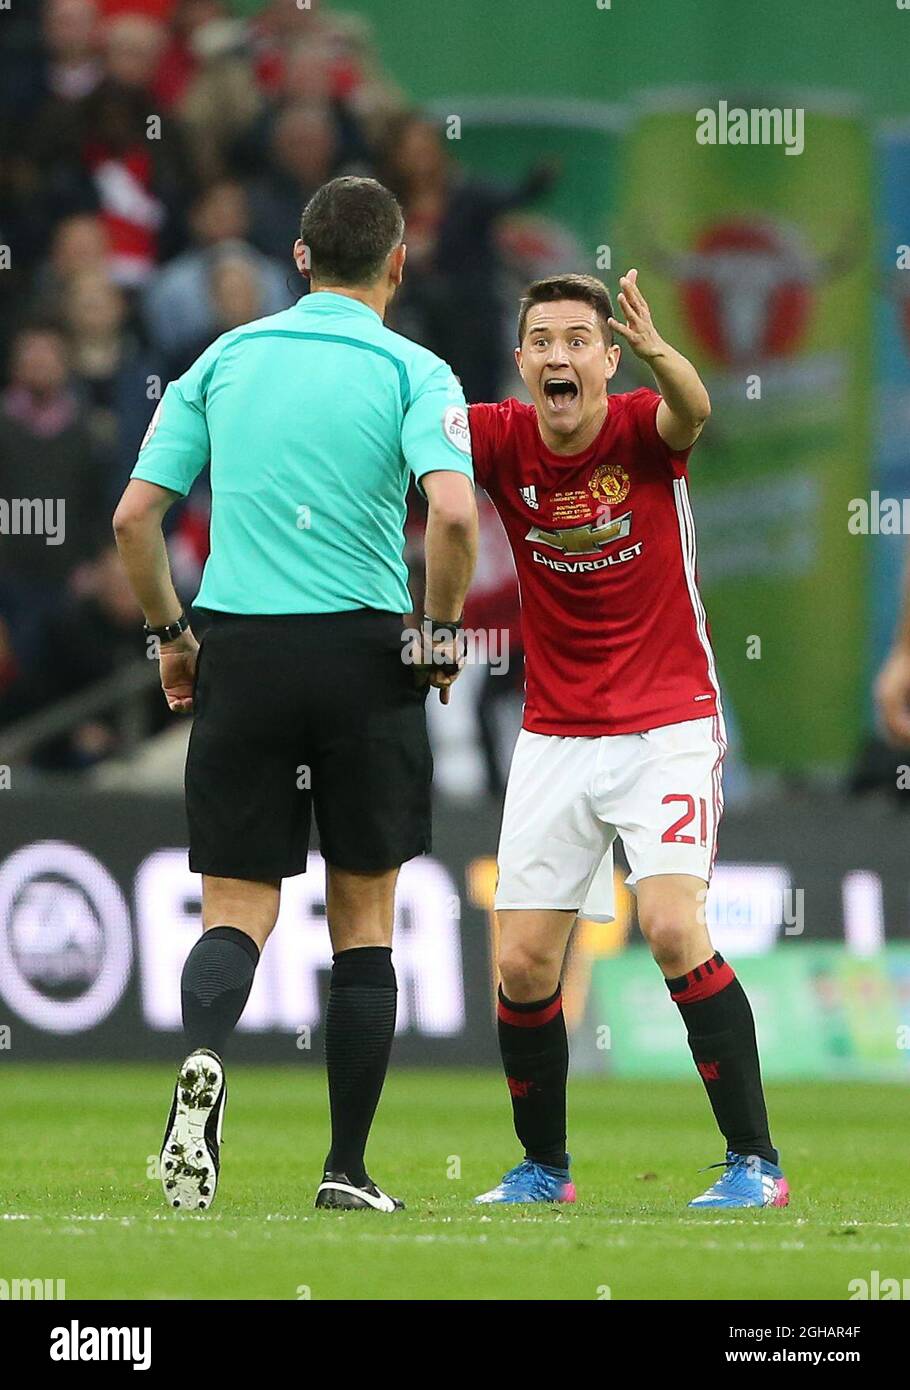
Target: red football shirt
[[615, 635]]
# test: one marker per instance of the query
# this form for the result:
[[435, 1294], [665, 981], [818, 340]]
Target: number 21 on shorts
[[673, 834]]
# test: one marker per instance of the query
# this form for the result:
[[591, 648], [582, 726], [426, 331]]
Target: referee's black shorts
[[299, 714]]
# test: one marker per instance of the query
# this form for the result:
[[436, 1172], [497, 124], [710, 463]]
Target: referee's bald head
[[349, 229]]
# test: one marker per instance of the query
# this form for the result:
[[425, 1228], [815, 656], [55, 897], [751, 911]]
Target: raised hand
[[638, 330]]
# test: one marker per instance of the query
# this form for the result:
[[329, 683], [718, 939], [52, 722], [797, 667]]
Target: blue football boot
[[747, 1181], [532, 1182]]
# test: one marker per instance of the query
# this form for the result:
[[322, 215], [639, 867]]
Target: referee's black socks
[[215, 985], [721, 1032], [359, 1027]]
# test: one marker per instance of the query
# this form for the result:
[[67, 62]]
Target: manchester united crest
[[609, 483]]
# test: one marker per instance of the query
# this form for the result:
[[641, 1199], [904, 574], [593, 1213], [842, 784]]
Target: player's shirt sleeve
[[645, 403], [176, 446], [434, 432], [484, 420]]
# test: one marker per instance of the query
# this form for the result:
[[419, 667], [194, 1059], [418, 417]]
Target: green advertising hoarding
[[820, 1012], [568, 228], [755, 261]]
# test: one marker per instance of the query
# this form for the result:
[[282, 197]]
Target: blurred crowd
[[155, 156]]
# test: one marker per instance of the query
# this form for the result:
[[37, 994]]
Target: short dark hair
[[350, 225], [587, 288]]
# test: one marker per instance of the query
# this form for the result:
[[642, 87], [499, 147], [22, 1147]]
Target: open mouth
[[559, 392]]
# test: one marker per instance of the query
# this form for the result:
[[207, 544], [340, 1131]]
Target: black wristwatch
[[170, 632], [447, 630], [439, 632]]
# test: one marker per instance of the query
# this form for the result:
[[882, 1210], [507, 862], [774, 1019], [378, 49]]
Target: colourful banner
[[755, 259], [566, 229], [820, 1012], [891, 470]]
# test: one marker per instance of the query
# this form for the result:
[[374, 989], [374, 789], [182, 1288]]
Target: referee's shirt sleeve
[[435, 433], [176, 445]]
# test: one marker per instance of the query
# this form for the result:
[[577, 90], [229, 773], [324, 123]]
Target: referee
[[305, 694]]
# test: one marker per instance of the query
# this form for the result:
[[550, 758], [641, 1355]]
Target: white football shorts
[[568, 798]]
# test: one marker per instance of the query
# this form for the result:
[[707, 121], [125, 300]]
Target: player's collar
[[552, 457]]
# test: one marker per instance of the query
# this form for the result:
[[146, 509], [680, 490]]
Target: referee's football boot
[[747, 1181], [191, 1152], [336, 1192], [532, 1182]]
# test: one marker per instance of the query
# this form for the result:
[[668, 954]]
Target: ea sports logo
[[456, 429], [748, 291], [65, 938]]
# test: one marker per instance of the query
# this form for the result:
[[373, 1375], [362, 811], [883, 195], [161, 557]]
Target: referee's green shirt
[[313, 420]]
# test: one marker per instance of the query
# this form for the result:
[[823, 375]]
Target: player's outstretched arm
[[685, 407]]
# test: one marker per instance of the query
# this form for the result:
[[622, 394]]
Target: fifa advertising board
[[98, 911]]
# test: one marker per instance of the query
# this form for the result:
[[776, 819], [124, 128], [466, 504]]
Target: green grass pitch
[[78, 1199]]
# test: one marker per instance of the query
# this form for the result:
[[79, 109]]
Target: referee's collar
[[328, 299]]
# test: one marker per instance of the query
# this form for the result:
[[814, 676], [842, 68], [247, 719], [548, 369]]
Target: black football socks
[[722, 1040], [215, 985], [535, 1055], [359, 1027]]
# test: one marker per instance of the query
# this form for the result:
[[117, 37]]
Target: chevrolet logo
[[586, 539]]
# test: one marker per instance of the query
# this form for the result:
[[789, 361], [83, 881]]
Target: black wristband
[[435, 637], [443, 630], [171, 631]]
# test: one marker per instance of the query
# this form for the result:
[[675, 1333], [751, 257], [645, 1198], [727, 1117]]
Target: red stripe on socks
[[529, 1018], [703, 981]]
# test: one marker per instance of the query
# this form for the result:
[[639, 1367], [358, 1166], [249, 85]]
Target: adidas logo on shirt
[[529, 495]]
